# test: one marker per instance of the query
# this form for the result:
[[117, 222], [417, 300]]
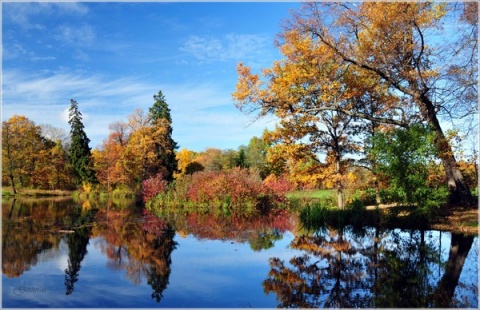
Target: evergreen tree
[[241, 160], [165, 146], [80, 152]]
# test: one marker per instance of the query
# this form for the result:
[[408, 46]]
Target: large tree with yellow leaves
[[342, 57]]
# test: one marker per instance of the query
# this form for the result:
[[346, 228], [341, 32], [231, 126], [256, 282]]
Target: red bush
[[234, 187], [151, 187], [278, 185]]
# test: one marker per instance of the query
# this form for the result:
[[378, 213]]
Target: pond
[[64, 253]]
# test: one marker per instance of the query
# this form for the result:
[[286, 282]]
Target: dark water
[[61, 253]]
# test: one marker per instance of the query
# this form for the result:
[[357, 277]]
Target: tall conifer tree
[[165, 146], [80, 152]]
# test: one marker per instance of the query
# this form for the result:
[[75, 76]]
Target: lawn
[[314, 193]]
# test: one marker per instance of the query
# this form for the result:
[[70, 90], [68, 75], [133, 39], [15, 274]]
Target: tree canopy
[[345, 57]]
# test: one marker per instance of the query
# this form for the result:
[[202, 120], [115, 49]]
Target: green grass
[[6, 191], [314, 194]]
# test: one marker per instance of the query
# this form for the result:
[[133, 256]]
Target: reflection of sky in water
[[221, 273], [204, 273]]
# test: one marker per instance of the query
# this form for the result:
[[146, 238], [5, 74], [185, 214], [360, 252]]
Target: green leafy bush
[[404, 156]]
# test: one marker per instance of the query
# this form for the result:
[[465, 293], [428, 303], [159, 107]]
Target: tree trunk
[[373, 162], [13, 184], [378, 200], [340, 201], [459, 191], [459, 248], [6, 141]]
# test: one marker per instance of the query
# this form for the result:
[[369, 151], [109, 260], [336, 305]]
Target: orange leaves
[[107, 163], [248, 87], [130, 154], [28, 159]]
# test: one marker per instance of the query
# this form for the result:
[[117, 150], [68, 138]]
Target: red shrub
[[235, 187], [278, 185], [151, 187]]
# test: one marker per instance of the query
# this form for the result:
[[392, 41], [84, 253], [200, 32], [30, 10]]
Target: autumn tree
[[399, 44], [108, 160], [80, 152], [165, 146], [107, 163], [298, 162], [60, 173], [210, 159], [138, 149], [308, 77], [184, 158], [139, 158], [396, 45], [22, 146]]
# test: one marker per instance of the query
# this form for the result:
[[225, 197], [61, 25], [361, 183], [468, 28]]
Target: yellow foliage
[[351, 177], [184, 158], [86, 205], [87, 187]]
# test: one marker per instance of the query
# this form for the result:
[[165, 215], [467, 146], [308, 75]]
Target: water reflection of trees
[[328, 274], [367, 268], [444, 293], [140, 244], [77, 249], [258, 229], [80, 220], [340, 267], [27, 230], [142, 247]]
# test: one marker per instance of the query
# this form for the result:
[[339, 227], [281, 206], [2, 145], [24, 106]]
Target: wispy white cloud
[[25, 14], [78, 35], [35, 20], [203, 114], [12, 50], [43, 58], [45, 88], [46, 98], [228, 47]]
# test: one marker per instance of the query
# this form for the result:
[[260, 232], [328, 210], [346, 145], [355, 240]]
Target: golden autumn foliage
[[31, 161], [130, 153], [371, 61], [184, 157]]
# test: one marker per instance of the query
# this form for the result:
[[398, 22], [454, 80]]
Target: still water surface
[[61, 253]]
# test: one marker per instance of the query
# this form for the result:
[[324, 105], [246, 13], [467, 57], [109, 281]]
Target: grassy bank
[[80, 193], [35, 192], [446, 218], [312, 194]]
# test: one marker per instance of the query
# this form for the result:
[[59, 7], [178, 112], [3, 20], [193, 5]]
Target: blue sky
[[113, 57]]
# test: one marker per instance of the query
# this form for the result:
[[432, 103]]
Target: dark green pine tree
[[80, 152], [165, 145]]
